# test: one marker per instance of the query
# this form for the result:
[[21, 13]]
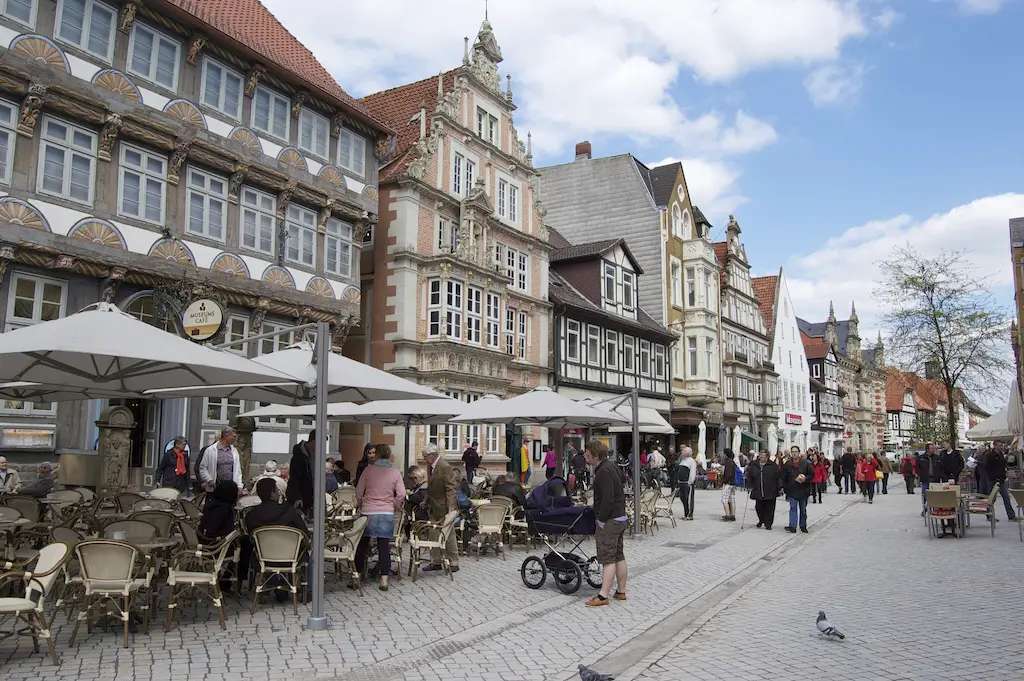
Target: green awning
[[752, 438]]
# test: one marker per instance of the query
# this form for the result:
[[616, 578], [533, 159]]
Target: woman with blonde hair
[[379, 493]]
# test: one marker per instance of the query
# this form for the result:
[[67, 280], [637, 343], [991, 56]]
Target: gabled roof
[[765, 289], [721, 252], [253, 26], [663, 182], [561, 292], [896, 386], [814, 348], [398, 106], [593, 249], [557, 240], [645, 175], [699, 219]]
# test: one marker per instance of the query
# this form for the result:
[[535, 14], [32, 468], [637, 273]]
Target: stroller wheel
[[568, 577], [593, 572], [533, 572]]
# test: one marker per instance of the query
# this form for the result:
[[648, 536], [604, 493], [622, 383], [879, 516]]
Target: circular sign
[[202, 319]]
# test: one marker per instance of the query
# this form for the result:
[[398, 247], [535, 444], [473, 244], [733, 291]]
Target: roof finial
[[465, 52], [831, 312], [486, 12], [853, 311], [529, 144], [508, 91], [440, 85]]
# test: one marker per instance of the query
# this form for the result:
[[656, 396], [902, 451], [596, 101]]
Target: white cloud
[[980, 6], [712, 185], [835, 83], [886, 19], [845, 268]]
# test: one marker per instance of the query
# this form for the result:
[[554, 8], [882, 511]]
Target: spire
[[465, 51], [508, 91], [879, 342], [831, 312], [853, 312]]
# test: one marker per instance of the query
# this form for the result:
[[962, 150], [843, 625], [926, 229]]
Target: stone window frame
[[69, 148]]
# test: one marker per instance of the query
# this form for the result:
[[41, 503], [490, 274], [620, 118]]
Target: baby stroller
[[551, 517]]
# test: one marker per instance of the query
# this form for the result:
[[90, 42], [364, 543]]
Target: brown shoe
[[619, 596], [596, 601]]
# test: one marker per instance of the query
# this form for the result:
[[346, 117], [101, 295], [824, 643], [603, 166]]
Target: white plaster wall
[[81, 68], [787, 341], [271, 149], [150, 98]]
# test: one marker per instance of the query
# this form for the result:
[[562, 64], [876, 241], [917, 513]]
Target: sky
[[834, 130]]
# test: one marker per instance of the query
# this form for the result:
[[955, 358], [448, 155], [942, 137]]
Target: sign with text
[[794, 419], [202, 319]]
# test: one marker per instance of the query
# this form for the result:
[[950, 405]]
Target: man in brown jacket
[[441, 499]]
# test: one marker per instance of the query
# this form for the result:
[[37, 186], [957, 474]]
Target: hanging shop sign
[[202, 319], [794, 419]]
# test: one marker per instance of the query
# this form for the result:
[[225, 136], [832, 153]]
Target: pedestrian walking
[[686, 478], [441, 499], [729, 487], [908, 469], [820, 477], [867, 468], [885, 465], [837, 473], [671, 461], [764, 486], [174, 467], [610, 511], [300, 478], [220, 462], [995, 468], [796, 481], [471, 458], [849, 463]]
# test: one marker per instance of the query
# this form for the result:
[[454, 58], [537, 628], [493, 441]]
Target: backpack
[[464, 503], [737, 477]]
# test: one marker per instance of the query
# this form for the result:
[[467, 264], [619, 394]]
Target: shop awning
[[752, 438]]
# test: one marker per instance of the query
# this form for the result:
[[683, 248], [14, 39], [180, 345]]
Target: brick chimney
[[582, 150]]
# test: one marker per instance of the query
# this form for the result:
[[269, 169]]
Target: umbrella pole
[[408, 459], [635, 395], [317, 620]]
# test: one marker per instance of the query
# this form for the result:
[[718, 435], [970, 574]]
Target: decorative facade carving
[[424, 150], [34, 100], [244, 426], [238, 173], [384, 149], [300, 99], [284, 197], [6, 256], [325, 213], [486, 57], [258, 316], [448, 105], [341, 330], [363, 226], [195, 45], [115, 446], [252, 78], [127, 18], [108, 135], [178, 156], [108, 290]]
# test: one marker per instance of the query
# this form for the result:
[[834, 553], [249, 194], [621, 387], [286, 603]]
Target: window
[[522, 281], [222, 410], [593, 345], [222, 88], [513, 203], [709, 356], [572, 340], [271, 113], [8, 120], [237, 328], [628, 354], [691, 287], [487, 126], [447, 236], [274, 343], [502, 200], [86, 24], [301, 225], [34, 300], [816, 371], [338, 248], [144, 186], [154, 56], [474, 314], [258, 218], [677, 283], [434, 308], [19, 10], [659, 361], [493, 320], [628, 291], [523, 337], [728, 387], [813, 400], [492, 436], [645, 358], [687, 231], [611, 349], [314, 133], [472, 432], [677, 222], [352, 152], [462, 175], [207, 204], [677, 360], [609, 282], [790, 358], [691, 354], [510, 331], [69, 161], [453, 309]]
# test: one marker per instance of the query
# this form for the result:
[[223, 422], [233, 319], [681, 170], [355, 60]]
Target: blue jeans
[[1004, 492], [797, 507], [849, 481], [924, 495]]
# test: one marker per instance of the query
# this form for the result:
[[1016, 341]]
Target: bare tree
[[941, 314]]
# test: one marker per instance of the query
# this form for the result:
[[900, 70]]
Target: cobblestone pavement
[[691, 588]]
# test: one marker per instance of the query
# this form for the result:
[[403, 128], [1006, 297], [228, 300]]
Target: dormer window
[[609, 282], [487, 126], [628, 291]]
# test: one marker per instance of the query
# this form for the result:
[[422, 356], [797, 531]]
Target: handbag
[[878, 475]]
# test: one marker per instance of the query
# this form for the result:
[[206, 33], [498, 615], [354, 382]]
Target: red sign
[[794, 419]]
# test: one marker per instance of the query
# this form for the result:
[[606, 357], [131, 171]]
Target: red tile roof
[[252, 25], [764, 289], [814, 348], [397, 106], [896, 386]]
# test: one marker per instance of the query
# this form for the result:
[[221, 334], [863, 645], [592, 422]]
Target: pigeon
[[587, 674], [826, 628]]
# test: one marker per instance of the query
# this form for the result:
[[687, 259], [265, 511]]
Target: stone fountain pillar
[[244, 426], [115, 446]]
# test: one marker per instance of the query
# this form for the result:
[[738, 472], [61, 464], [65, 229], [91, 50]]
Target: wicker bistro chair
[[88, 496], [341, 549], [135, 530], [398, 541], [420, 546], [161, 520], [648, 504], [114, 574], [663, 506], [984, 505], [279, 554], [248, 502], [30, 608], [151, 505], [199, 569], [1018, 497], [29, 507], [515, 522], [941, 505], [491, 520], [71, 588], [191, 511], [125, 500], [9, 514], [165, 493]]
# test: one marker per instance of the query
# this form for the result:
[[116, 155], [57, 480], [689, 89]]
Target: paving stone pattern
[[487, 625]]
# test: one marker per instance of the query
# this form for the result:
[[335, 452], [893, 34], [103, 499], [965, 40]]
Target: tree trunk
[[951, 415]]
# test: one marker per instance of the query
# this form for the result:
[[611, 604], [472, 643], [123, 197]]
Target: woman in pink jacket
[[379, 494]]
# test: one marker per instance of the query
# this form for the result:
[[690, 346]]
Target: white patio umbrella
[[539, 407], [773, 438], [102, 348], [737, 440], [650, 421], [995, 427], [347, 381], [38, 392], [702, 442], [1015, 414]]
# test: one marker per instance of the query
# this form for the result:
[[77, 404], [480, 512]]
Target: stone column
[[115, 446], [245, 426]]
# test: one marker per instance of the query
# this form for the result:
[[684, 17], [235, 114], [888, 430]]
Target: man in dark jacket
[[300, 474], [849, 462], [763, 479], [471, 458], [797, 477], [994, 462], [929, 470], [175, 464], [952, 463], [610, 510]]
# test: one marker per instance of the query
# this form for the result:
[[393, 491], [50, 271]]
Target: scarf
[[385, 464], [179, 466]]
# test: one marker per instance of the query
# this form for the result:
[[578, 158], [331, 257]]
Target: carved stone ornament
[[252, 79], [115, 425], [300, 99], [195, 46], [111, 283], [325, 213], [486, 57], [259, 314], [384, 149], [235, 182], [127, 18], [449, 104], [63, 262], [34, 100], [244, 426], [108, 135], [363, 226], [425, 149], [341, 330], [285, 196], [178, 156], [6, 256]]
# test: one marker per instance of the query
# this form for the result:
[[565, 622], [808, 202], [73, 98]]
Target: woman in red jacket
[[866, 469], [908, 469], [820, 477]]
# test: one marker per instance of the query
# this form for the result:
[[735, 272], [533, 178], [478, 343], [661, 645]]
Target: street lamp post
[[317, 620]]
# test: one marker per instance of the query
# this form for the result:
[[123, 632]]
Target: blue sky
[[834, 129]]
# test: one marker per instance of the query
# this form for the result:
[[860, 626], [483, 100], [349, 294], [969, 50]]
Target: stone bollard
[[115, 448]]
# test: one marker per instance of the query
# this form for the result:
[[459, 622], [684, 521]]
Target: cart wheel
[[568, 577], [593, 572], [533, 572]]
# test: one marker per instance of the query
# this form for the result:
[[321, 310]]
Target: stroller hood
[[552, 494]]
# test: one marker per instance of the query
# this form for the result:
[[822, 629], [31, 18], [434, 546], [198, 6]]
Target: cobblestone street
[[706, 601]]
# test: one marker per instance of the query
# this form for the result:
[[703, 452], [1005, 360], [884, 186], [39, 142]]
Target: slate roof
[[663, 182], [593, 249], [817, 330], [698, 217], [397, 107], [645, 175], [252, 25], [557, 240], [1016, 232], [764, 289], [561, 292]]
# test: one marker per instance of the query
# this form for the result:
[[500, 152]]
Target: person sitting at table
[[43, 485], [10, 480], [271, 471], [270, 512], [329, 479], [218, 519], [416, 503], [511, 489]]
